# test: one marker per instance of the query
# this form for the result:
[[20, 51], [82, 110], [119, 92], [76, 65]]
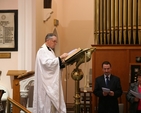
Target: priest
[[48, 93]]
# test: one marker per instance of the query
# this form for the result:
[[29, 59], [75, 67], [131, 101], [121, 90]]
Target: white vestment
[[48, 84]]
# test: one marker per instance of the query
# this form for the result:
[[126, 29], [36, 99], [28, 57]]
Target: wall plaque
[[8, 30], [5, 55]]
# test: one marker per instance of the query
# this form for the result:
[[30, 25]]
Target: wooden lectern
[[17, 76]]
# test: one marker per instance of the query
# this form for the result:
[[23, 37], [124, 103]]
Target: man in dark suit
[[108, 100]]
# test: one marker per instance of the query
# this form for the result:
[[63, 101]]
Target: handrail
[[9, 100], [27, 74]]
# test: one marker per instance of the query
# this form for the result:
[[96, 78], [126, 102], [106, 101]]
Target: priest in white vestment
[[48, 91]]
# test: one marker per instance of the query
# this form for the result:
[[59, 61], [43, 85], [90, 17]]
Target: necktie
[[107, 81]]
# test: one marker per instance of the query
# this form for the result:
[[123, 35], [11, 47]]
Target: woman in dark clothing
[[135, 102]]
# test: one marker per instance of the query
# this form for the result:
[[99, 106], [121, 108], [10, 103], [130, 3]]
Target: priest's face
[[52, 42]]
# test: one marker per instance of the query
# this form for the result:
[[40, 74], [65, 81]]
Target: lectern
[[77, 74]]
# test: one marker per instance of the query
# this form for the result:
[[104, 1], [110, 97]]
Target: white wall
[[10, 63], [24, 58], [76, 29]]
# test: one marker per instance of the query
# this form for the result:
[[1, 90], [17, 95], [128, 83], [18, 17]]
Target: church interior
[[112, 27]]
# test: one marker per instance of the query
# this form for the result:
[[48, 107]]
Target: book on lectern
[[72, 53]]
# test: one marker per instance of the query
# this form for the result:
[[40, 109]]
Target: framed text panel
[[8, 30]]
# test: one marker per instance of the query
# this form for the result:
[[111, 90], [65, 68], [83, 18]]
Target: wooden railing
[[14, 103]]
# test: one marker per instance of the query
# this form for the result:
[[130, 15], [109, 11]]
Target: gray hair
[[49, 36]]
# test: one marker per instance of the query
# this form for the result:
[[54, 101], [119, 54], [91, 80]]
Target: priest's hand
[[63, 56]]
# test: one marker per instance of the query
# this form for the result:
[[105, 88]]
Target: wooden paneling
[[120, 57]]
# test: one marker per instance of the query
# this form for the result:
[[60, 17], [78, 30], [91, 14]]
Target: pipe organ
[[117, 22]]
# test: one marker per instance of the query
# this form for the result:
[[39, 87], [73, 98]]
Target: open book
[[136, 94], [73, 53]]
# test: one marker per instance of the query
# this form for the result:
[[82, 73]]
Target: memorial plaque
[[5, 55]]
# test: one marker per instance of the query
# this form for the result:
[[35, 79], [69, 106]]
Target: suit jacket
[[108, 104], [130, 98]]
